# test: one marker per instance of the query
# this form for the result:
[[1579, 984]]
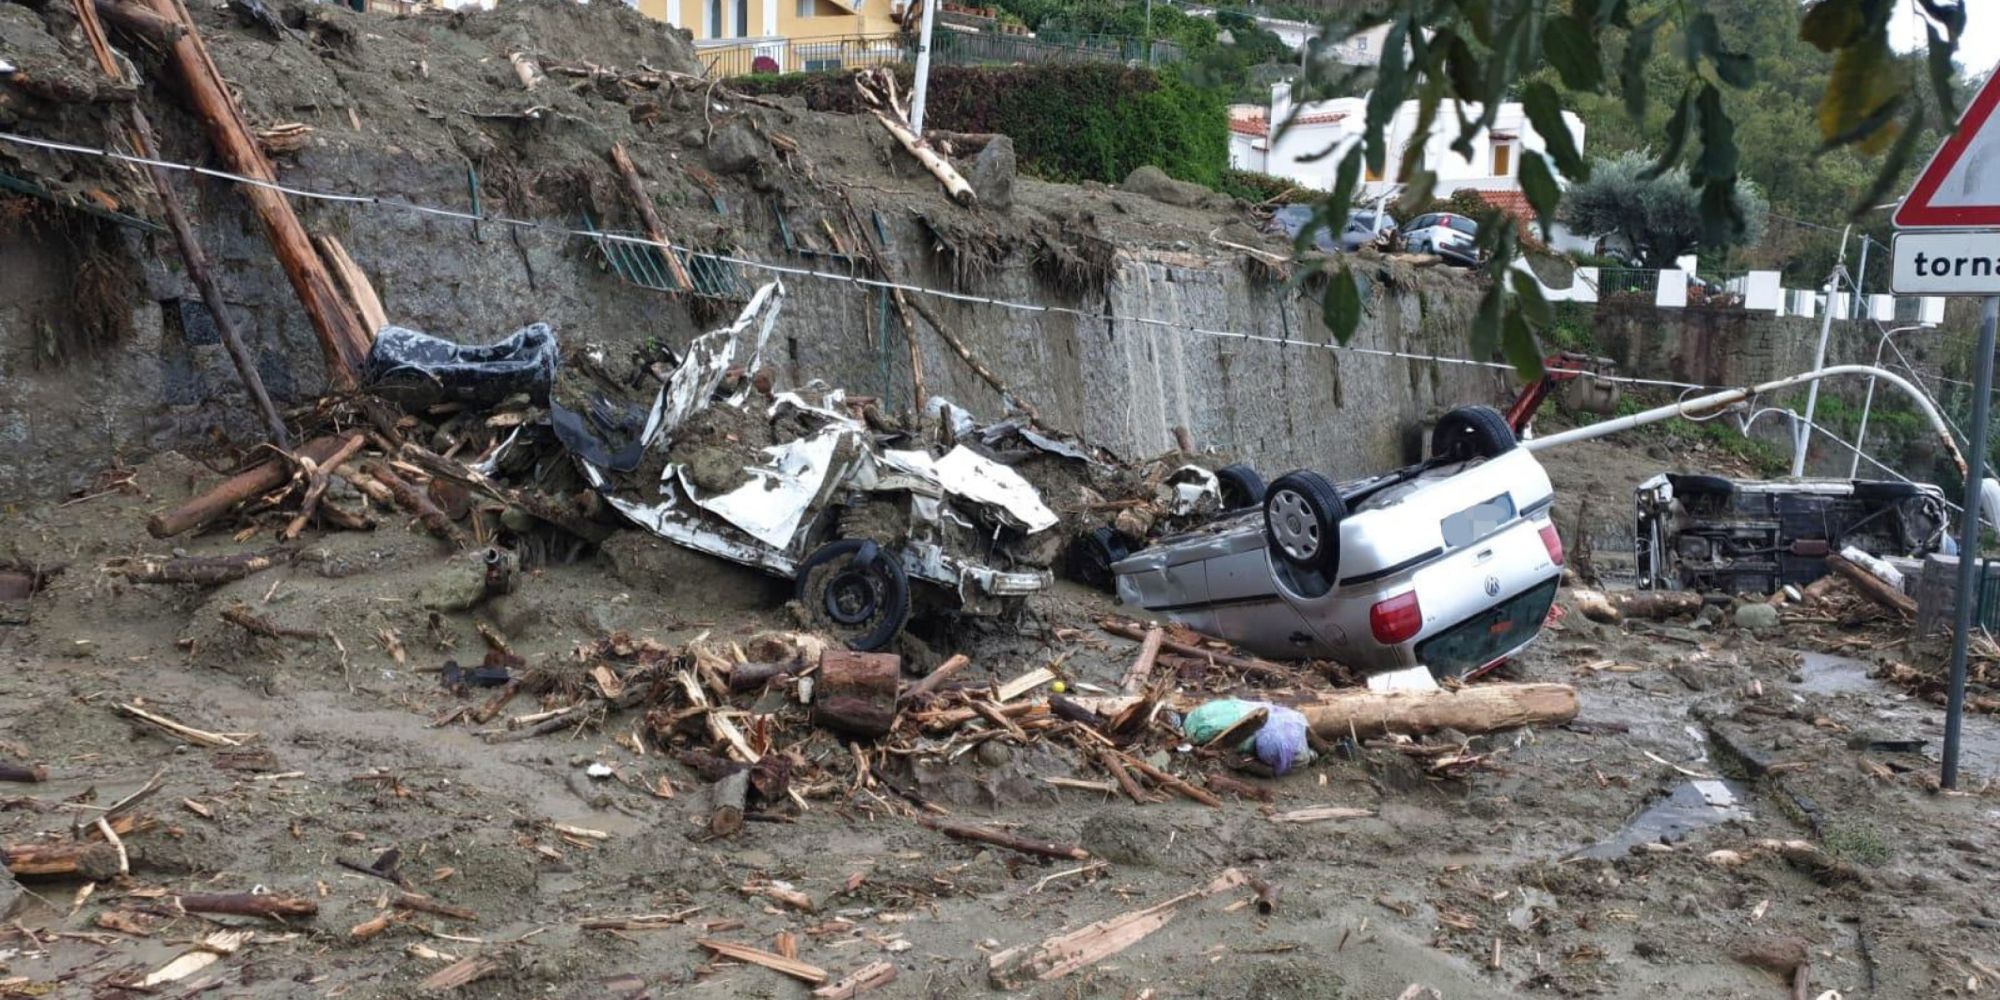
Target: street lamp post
[[1861, 434]]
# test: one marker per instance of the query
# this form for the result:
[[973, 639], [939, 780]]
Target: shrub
[[1069, 122]]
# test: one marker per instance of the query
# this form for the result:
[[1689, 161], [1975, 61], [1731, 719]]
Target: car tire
[[1302, 515], [1091, 556], [1701, 486], [1889, 491], [1472, 432], [856, 590], [1242, 487]]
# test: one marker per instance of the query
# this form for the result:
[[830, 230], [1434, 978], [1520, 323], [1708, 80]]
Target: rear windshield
[[1462, 224]]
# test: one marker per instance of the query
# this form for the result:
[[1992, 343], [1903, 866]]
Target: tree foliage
[[1657, 216], [1465, 57]]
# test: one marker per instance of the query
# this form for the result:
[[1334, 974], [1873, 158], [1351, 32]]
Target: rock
[[10, 894], [457, 585], [1154, 183], [1779, 954], [734, 149], [1757, 617], [992, 175]]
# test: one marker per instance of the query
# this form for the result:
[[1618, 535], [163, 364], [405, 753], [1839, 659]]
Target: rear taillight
[[1396, 619], [1554, 543]]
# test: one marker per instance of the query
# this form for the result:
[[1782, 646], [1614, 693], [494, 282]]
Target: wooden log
[[93, 860], [933, 680], [1480, 708], [856, 693], [342, 341], [954, 183], [1001, 838], [1141, 669], [318, 476], [1176, 785], [24, 773], [1611, 607], [756, 676], [526, 70], [872, 976], [135, 20], [244, 485], [1871, 586], [207, 571], [1109, 761], [958, 347], [727, 796], [1218, 782], [425, 904], [656, 231], [272, 905], [417, 503]]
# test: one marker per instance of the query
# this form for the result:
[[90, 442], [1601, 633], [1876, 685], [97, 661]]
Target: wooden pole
[[342, 340], [235, 490], [1481, 708], [1871, 586], [655, 231]]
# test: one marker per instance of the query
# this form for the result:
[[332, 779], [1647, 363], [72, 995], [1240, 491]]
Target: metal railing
[[1628, 281], [952, 48]]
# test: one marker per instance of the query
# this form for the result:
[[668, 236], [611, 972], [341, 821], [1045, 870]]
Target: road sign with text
[[1946, 263]]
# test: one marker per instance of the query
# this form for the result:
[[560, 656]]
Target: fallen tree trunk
[[139, 22], [341, 339], [728, 795], [1871, 586], [1481, 708], [26, 773], [234, 490], [856, 693], [1611, 607], [655, 230], [1249, 665]]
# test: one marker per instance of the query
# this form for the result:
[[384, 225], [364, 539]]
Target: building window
[[715, 18], [742, 18], [1503, 160], [1373, 175], [806, 8]]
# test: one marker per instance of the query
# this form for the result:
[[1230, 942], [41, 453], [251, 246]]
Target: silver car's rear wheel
[[1302, 513], [1293, 525]]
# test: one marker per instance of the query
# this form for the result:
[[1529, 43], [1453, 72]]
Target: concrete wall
[[1122, 385]]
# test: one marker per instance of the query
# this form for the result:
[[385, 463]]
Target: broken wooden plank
[[1001, 838], [805, 972], [1066, 953], [872, 976]]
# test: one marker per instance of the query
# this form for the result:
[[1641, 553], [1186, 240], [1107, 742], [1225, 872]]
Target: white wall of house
[[1336, 125]]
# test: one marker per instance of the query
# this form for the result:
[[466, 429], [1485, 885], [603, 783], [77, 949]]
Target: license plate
[[1477, 521]]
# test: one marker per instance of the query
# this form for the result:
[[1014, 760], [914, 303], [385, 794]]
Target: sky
[[1978, 48]]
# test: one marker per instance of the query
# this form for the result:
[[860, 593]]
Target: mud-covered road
[[1637, 852]]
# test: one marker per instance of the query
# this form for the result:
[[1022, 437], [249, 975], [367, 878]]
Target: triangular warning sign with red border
[[1960, 188]]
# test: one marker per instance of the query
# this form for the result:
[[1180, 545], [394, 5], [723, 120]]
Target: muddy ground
[[1524, 873]]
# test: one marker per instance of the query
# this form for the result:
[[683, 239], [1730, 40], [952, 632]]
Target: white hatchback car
[[1450, 564]]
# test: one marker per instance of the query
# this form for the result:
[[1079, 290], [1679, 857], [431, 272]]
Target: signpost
[[1956, 206]]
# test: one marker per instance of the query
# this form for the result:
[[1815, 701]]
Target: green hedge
[[1069, 123]]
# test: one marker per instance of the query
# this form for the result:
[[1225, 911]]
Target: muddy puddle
[[1897, 717], [1693, 805]]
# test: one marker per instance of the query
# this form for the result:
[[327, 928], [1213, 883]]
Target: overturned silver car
[[1450, 564]]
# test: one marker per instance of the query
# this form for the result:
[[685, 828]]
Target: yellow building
[[743, 36]]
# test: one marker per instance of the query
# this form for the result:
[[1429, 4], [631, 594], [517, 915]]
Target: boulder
[[1154, 183], [1757, 617], [992, 175]]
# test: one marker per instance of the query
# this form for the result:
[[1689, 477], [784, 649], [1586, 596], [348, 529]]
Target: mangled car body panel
[[1461, 553], [789, 501], [1755, 537]]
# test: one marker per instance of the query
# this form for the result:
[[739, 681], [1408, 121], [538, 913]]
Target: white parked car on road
[[1450, 564]]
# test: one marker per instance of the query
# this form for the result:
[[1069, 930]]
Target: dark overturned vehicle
[[1451, 563], [1736, 536]]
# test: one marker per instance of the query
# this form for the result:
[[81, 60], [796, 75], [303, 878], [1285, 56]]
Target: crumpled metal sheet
[[773, 505], [967, 474]]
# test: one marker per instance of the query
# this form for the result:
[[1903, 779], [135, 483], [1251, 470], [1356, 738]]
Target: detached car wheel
[[1472, 432], [1242, 487], [1302, 514], [857, 591]]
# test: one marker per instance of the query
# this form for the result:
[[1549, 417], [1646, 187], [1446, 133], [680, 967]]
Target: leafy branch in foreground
[[1467, 57]]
